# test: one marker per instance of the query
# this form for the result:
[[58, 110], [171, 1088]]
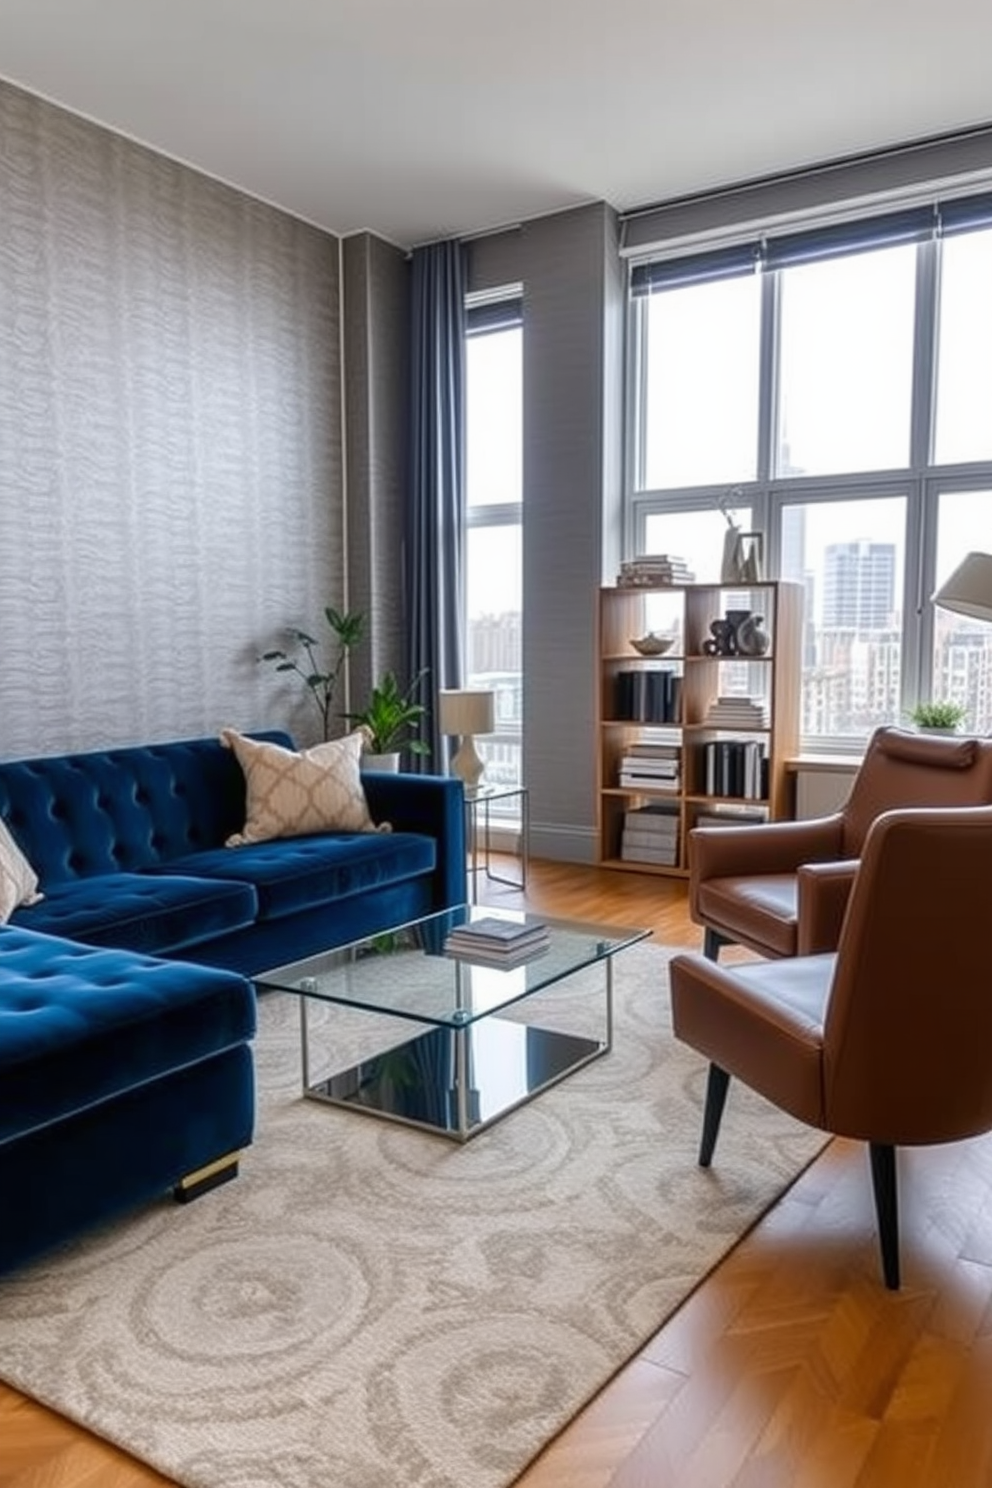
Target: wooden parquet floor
[[789, 1367]]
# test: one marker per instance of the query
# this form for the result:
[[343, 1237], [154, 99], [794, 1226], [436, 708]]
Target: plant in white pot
[[938, 717], [389, 718]]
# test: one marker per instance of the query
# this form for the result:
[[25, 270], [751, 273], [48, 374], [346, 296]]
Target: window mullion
[[767, 432]]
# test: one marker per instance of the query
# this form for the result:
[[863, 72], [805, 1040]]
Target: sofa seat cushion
[[80, 1025], [298, 873], [142, 912]]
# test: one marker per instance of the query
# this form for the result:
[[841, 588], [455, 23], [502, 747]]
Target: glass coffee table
[[472, 1056]]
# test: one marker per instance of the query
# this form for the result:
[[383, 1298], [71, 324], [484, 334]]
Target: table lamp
[[467, 712], [968, 590]]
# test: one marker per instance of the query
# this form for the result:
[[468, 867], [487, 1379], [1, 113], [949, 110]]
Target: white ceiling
[[419, 119]]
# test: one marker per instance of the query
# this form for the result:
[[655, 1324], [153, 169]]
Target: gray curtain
[[435, 541]]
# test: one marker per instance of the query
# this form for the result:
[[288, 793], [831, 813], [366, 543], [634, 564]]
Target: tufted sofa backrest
[[122, 810]]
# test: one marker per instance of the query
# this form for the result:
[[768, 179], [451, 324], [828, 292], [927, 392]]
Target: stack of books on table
[[654, 570], [737, 713], [651, 767], [496, 942], [651, 835]]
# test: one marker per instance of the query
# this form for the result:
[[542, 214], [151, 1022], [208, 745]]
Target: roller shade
[[501, 315], [726, 263], [786, 250]]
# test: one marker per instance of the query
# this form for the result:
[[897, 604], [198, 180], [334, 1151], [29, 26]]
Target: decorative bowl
[[652, 644]]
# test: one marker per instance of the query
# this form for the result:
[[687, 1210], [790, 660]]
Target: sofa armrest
[[435, 806], [823, 890]]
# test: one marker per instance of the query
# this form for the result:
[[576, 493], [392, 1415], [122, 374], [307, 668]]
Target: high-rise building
[[859, 580]]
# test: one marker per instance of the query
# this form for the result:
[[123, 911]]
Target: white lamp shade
[[968, 590], [466, 711]]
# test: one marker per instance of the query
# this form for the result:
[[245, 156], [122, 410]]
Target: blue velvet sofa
[[122, 1077], [128, 845], [126, 1009]]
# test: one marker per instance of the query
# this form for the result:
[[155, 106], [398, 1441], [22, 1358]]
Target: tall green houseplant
[[319, 677]]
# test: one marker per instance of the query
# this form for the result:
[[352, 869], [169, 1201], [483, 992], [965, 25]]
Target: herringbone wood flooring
[[790, 1364]]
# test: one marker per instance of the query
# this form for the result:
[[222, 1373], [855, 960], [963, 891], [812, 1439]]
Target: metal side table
[[479, 822]]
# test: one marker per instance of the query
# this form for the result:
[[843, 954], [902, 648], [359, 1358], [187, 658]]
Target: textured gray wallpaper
[[170, 461]]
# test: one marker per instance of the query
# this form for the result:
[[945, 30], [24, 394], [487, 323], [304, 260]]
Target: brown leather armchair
[[781, 888], [889, 1039]]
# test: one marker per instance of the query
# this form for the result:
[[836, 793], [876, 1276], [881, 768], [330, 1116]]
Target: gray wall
[[172, 471], [572, 338], [170, 460], [377, 401]]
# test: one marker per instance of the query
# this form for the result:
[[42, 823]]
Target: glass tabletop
[[407, 973]]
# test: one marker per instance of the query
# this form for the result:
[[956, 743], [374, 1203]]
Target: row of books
[[735, 767], [648, 695], [650, 835], [495, 942], [652, 570]]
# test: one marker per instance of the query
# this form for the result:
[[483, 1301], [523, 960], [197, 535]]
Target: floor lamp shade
[[467, 712], [968, 590]]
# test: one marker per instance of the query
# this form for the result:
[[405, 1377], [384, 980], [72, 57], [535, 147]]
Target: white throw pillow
[[18, 880], [290, 794]]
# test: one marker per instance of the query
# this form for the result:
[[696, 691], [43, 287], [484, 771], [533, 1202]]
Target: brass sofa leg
[[192, 1185]]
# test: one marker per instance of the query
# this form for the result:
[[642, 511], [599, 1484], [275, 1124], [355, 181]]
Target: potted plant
[[938, 717], [388, 718], [347, 628]]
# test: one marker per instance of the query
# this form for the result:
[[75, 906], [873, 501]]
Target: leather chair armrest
[[823, 890], [768, 847]]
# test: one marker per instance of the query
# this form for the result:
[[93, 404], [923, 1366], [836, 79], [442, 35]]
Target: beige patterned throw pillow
[[290, 794], [18, 880]]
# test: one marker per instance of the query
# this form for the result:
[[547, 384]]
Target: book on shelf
[[648, 841], [729, 818], [664, 769], [655, 841], [649, 749], [661, 821], [737, 712], [656, 783], [735, 767], [647, 695], [654, 569]]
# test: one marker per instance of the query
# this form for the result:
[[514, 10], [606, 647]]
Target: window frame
[[920, 483], [491, 312]]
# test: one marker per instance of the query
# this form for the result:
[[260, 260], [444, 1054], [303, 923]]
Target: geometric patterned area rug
[[370, 1306]]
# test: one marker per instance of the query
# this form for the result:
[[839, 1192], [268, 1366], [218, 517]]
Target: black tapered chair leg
[[716, 1098], [712, 941], [883, 1180]]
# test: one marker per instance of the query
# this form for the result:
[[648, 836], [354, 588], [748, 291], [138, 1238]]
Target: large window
[[494, 494], [835, 388]]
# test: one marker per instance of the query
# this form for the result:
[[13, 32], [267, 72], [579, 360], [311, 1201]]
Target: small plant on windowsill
[[938, 717]]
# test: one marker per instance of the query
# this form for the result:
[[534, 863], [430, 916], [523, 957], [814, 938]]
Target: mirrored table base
[[458, 1081]]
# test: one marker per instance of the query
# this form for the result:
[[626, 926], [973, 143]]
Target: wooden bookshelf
[[694, 681]]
